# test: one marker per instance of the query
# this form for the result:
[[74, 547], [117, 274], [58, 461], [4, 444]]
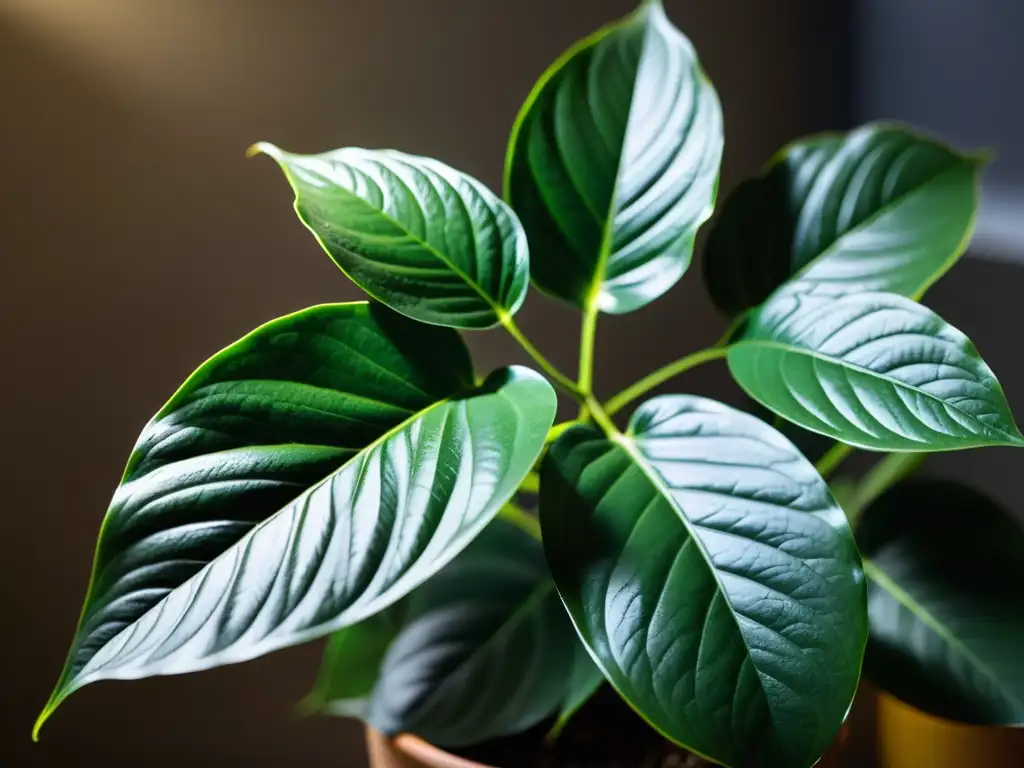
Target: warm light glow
[[160, 53]]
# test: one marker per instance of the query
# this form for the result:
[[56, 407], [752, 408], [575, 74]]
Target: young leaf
[[945, 567], [878, 209], [613, 164], [425, 239], [712, 575], [229, 534], [874, 370], [483, 649]]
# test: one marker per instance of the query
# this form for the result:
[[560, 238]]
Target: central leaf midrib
[[632, 450], [828, 360], [882, 579], [837, 244], [66, 687], [607, 234]]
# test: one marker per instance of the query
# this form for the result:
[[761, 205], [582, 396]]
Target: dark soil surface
[[605, 733]]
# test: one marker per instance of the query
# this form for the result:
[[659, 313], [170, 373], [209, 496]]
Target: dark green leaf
[[484, 649], [713, 576], [878, 209], [585, 678], [239, 501], [613, 164], [945, 570], [874, 370], [423, 238], [351, 665]]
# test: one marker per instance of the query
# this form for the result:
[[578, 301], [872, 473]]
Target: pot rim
[[422, 751]]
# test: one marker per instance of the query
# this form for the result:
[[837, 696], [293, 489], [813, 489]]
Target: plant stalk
[[603, 419], [881, 477], [833, 458], [588, 337], [660, 376], [521, 519], [559, 378]]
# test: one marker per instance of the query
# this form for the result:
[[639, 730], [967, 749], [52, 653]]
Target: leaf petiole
[[660, 376], [886, 473], [522, 519], [833, 458], [656, 378], [559, 378]]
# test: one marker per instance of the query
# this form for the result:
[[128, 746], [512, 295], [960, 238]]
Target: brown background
[[136, 239]]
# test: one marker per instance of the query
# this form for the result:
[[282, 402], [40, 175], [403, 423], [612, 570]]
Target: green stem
[[835, 456], [881, 477], [521, 519], [603, 419], [717, 350], [556, 431], [530, 484], [588, 336], [556, 375], [660, 376]]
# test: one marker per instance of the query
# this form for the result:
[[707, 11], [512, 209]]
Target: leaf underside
[[481, 651], [419, 236], [874, 370], [878, 209], [613, 164], [945, 604], [713, 577]]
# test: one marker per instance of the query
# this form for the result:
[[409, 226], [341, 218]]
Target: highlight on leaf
[[343, 472], [430, 242], [613, 164], [305, 477]]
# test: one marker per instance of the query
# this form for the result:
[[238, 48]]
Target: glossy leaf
[[183, 579], [425, 239], [878, 209], [613, 164], [712, 575], [945, 602], [874, 370], [254, 426], [483, 649]]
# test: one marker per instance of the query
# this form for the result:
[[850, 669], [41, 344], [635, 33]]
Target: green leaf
[[613, 164], [585, 678], [874, 370], [351, 665], [483, 649], [945, 602], [878, 209], [340, 425], [425, 239], [713, 577]]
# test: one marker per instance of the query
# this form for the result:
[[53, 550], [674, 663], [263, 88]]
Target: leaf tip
[[309, 706], [43, 717], [264, 148], [982, 156]]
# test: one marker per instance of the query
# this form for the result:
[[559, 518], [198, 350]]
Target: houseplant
[[343, 470]]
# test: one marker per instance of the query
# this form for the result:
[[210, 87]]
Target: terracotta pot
[[407, 751], [908, 738]]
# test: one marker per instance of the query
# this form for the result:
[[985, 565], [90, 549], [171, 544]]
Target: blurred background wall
[[136, 240]]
